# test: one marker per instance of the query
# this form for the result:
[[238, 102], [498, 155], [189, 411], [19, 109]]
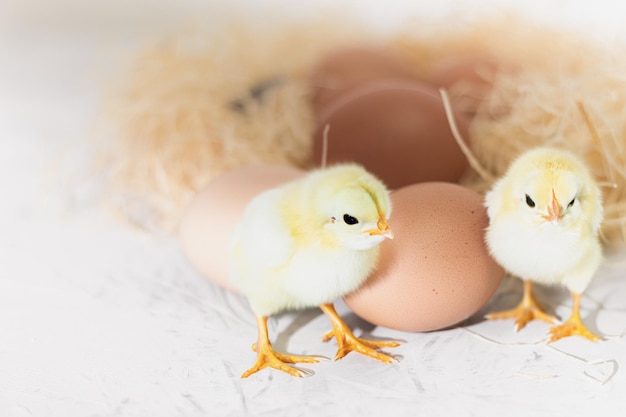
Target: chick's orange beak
[[554, 210], [382, 228]]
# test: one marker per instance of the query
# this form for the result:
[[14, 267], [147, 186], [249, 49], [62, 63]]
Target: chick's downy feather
[[545, 214], [544, 218], [310, 241]]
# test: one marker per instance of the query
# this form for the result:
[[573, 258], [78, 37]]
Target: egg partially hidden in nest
[[374, 110], [396, 129], [437, 271]]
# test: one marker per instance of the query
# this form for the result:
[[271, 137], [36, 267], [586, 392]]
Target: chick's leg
[[268, 357], [347, 342], [526, 311], [574, 326]]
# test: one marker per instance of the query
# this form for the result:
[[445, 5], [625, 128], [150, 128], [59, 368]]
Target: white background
[[99, 319]]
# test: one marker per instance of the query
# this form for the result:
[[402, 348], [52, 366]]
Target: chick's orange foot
[[523, 315], [347, 342], [527, 311], [574, 326], [269, 358]]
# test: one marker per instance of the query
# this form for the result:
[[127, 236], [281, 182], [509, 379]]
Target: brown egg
[[437, 271], [396, 129], [210, 220], [347, 68]]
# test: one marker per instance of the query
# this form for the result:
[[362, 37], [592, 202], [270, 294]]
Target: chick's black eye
[[349, 219], [529, 201], [571, 203]]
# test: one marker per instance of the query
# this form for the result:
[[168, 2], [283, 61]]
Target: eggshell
[[396, 129], [210, 220], [348, 68], [437, 271]]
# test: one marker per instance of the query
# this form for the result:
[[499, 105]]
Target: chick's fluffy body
[[524, 241], [293, 250]]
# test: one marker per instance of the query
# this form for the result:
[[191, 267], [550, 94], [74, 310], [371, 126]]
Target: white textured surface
[[100, 320]]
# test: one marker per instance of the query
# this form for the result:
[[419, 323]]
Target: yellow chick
[[305, 244], [545, 213]]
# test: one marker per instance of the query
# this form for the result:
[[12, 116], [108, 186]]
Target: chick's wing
[[262, 240]]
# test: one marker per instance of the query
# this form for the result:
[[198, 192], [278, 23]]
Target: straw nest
[[195, 106]]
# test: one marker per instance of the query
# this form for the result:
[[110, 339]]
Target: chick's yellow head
[[354, 206], [551, 186]]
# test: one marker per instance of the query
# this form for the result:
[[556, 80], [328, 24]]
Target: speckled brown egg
[[437, 271], [210, 220], [398, 130]]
